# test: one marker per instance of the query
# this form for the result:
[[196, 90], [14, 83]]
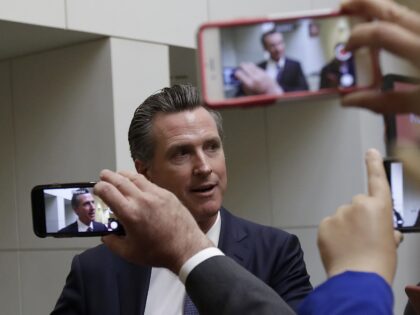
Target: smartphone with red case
[[296, 56]]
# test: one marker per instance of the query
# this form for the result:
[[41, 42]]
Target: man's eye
[[182, 153], [213, 146]]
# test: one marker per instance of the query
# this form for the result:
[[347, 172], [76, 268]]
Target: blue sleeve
[[350, 293]]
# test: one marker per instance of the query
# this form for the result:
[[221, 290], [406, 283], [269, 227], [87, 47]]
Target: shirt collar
[[81, 227], [214, 232], [279, 63]]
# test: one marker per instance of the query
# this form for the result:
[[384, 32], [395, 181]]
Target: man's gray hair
[[177, 98], [75, 197]]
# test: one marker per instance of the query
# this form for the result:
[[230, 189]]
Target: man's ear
[[142, 168]]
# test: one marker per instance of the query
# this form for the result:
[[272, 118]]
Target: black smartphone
[[405, 197], [71, 210]]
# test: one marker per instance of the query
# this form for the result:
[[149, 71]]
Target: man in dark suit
[[83, 205], [281, 74], [176, 143], [360, 261]]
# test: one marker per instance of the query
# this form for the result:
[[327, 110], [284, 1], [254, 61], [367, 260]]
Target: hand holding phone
[[281, 59], [69, 210]]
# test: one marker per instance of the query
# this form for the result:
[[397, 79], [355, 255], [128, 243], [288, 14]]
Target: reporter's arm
[[358, 249], [220, 286]]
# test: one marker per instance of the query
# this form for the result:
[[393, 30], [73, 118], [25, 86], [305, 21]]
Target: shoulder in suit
[[102, 283], [71, 228], [272, 255], [99, 227], [292, 78]]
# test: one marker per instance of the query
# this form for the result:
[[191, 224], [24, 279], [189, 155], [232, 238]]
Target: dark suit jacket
[[102, 283], [292, 78], [71, 228]]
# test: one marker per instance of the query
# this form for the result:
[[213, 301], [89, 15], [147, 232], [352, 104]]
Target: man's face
[[86, 208], [189, 161], [274, 44]]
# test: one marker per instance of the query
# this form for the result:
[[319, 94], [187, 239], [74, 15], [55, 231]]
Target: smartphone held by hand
[[259, 61], [405, 197], [71, 210]]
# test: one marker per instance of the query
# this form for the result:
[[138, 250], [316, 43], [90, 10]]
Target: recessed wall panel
[[315, 160], [64, 125], [138, 70], [248, 190], [8, 211]]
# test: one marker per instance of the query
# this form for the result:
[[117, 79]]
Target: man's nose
[[202, 166]]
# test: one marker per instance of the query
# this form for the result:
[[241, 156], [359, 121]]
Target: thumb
[[398, 237]]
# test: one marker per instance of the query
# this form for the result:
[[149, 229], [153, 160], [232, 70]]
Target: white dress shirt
[[166, 291], [273, 67], [81, 227]]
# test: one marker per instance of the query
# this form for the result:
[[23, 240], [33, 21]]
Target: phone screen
[[405, 198], [301, 56], [71, 210], [401, 128]]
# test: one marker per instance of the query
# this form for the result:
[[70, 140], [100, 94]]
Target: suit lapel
[[133, 285], [234, 239]]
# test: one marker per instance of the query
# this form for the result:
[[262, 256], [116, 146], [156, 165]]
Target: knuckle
[[359, 200]]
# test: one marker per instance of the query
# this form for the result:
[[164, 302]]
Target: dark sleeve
[[409, 310], [417, 223], [220, 286], [302, 84], [289, 277], [71, 300], [350, 293], [293, 78]]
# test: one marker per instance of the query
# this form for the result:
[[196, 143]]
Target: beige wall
[[64, 115]]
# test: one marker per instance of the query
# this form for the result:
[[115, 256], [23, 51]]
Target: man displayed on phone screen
[[280, 71], [84, 206]]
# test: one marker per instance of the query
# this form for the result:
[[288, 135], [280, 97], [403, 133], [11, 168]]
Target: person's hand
[[360, 236], [160, 231], [395, 29], [255, 80]]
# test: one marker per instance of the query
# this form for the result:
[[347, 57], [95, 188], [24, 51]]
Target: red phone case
[[260, 100]]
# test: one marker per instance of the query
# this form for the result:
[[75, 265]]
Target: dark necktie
[[189, 307], [279, 73], [89, 229]]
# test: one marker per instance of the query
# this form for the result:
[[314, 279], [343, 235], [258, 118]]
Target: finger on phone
[[384, 102], [384, 10], [392, 37], [112, 197], [120, 182], [377, 182]]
